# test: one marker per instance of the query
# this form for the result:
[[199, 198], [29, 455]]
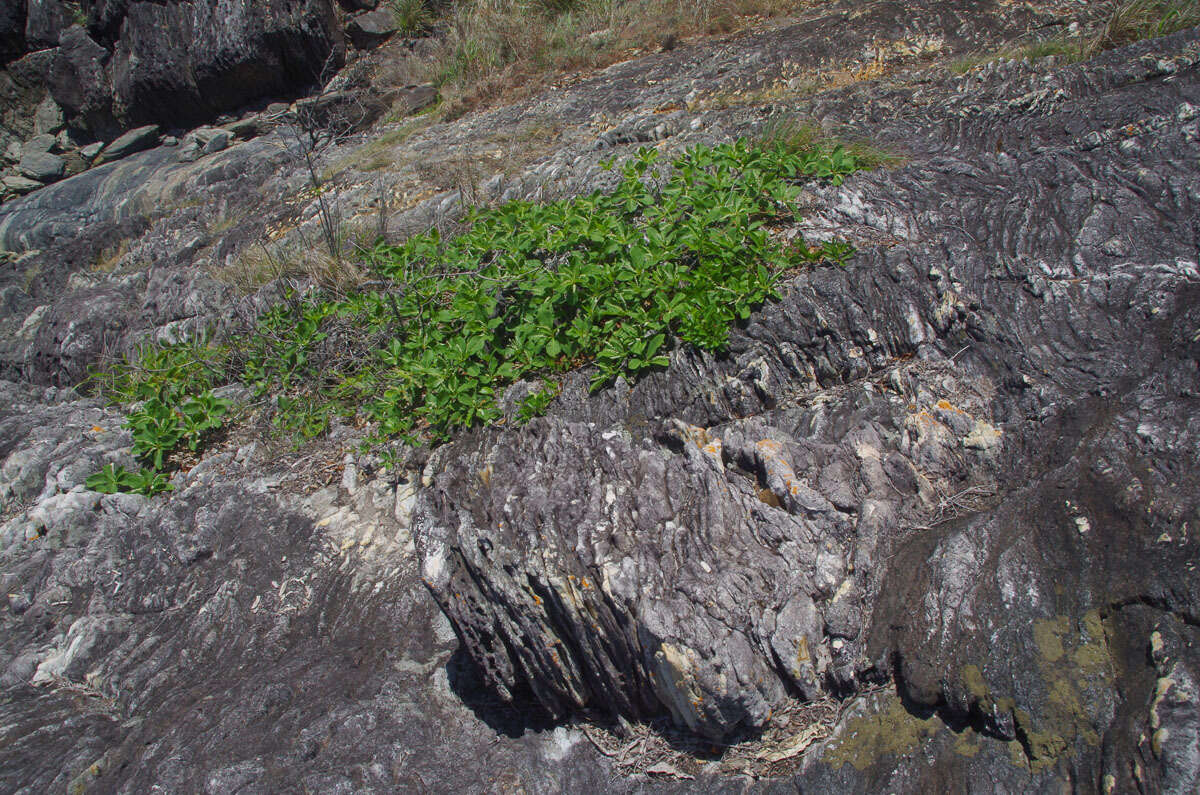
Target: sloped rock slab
[[819, 509]]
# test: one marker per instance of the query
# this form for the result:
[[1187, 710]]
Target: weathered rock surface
[[176, 64], [218, 56], [135, 140], [963, 469], [371, 28], [42, 166]]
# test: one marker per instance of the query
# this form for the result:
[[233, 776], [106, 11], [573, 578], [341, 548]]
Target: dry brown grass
[[1146, 19], [1130, 21], [502, 49], [294, 262]]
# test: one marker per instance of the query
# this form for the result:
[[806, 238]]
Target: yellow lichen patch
[[1047, 635], [802, 655], [891, 732], [1071, 662], [969, 743], [976, 685]]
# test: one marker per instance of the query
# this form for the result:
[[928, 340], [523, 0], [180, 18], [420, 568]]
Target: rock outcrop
[[177, 65], [949, 491]]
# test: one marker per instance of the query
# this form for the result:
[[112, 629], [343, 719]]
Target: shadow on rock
[[510, 718]]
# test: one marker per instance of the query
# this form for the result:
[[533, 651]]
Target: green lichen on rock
[[1072, 663], [1047, 634], [890, 732], [969, 743]]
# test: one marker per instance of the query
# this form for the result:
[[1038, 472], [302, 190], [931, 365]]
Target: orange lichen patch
[[946, 405], [769, 497], [802, 655], [769, 447]]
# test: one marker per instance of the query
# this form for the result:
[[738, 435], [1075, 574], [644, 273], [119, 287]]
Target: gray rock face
[[42, 166], [949, 488], [371, 28], [218, 56], [45, 21], [49, 117], [80, 83], [890, 477], [133, 141]]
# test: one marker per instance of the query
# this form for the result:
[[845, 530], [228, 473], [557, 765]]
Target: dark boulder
[[133, 141], [79, 82], [44, 23], [372, 28], [12, 30], [104, 20], [217, 57]]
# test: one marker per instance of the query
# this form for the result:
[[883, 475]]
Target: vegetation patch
[[487, 49], [1131, 21], [675, 255]]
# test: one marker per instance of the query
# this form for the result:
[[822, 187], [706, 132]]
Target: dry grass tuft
[[489, 50], [295, 264], [1146, 19], [1131, 21]]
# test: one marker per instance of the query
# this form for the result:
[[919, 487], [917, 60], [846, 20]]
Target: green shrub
[[167, 371], [115, 478], [412, 16], [675, 255], [160, 427], [615, 281]]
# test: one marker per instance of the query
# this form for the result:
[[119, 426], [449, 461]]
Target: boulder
[[219, 56], [217, 141], [358, 5], [18, 184], [49, 117], [44, 23], [91, 151], [133, 141], [203, 141], [411, 99], [372, 28], [44, 142], [249, 127], [42, 166], [79, 82], [22, 89], [12, 30]]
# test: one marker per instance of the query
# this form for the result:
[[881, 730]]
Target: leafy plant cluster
[[675, 254], [160, 427], [173, 384], [533, 290]]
